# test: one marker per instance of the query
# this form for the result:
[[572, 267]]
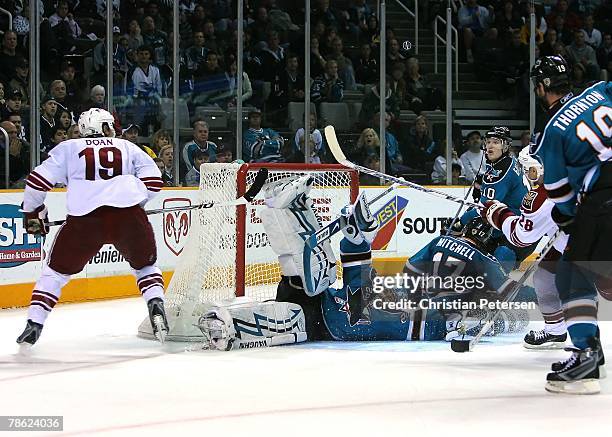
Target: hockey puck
[[460, 345]]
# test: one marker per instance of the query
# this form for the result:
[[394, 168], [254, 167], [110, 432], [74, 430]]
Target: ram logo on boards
[[16, 245], [388, 216], [176, 224]]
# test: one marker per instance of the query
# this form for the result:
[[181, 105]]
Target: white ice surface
[[90, 367]]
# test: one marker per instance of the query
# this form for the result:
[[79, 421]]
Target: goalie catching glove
[[359, 225], [36, 222]]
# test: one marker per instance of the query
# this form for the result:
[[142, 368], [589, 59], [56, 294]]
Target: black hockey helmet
[[550, 71], [502, 133], [480, 232], [455, 231]]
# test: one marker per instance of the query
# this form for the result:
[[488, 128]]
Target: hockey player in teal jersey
[[502, 181], [575, 148], [261, 144]]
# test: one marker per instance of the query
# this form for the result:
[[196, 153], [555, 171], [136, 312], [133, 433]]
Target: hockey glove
[[37, 222], [495, 213], [476, 191], [565, 222]]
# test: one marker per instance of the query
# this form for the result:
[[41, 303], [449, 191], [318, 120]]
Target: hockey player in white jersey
[[534, 222], [109, 181]]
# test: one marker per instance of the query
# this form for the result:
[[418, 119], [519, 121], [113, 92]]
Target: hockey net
[[227, 253]]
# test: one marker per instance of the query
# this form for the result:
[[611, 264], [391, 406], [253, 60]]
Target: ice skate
[[30, 334], [544, 340], [157, 316], [579, 374]]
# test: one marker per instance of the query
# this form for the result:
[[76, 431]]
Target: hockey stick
[[467, 193], [258, 183], [463, 345], [325, 234], [334, 146]]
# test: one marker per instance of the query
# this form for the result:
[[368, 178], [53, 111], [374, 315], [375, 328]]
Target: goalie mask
[[91, 123]]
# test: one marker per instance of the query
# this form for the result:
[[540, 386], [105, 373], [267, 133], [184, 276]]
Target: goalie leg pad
[[46, 293], [252, 324]]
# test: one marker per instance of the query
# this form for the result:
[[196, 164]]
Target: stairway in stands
[[475, 105]]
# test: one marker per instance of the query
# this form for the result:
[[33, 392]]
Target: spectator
[[58, 134], [367, 145], [147, 92], [64, 18], [227, 98], [394, 160], [73, 132], [315, 139], [97, 97], [564, 34], [507, 20], [394, 53], [472, 158], [366, 66], [199, 142], [57, 90], [224, 155], [372, 34], [130, 133], [15, 118], [604, 55], [152, 10], [474, 20], [592, 36], [134, 35], [21, 81], [260, 144], [371, 104], [398, 84], [198, 19], [166, 154], [571, 20], [329, 16], [515, 64], [420, 148], [317, 61], [438, 175], [156, 41], [64, 117], [159, 140], [358, 14], [550, 39], [288, 86], [19, 156], [580, 52], [212, 42], [12, 104], [76, 87], [272, 58], [196, 54], [372, 162], [162, 169], [192, 178], [261, 26], [8, 55], [419, 94], [541, 25], [329, 87], [48, 109], [345, 66], [579, 79], [488, 55]]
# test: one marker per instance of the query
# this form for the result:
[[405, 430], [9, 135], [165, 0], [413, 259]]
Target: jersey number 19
[[109, 158]]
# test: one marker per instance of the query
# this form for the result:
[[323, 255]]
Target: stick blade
[[334, 146], [258, 183]]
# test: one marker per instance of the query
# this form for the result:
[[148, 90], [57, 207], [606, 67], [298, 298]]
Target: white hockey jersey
[[535, 221], [98, 172]]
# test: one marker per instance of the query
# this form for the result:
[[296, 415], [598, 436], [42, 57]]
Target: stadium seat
[[295, 118], [336, 114], [214, 116]]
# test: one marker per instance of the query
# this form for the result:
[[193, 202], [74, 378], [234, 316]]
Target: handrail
[[7, 146], [453, 48], [414, 15], [4, 11]]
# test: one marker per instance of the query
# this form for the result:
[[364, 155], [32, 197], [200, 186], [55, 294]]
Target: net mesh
[[209, 265]]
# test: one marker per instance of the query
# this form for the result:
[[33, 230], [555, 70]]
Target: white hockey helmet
[[527, 162], [92, 121]]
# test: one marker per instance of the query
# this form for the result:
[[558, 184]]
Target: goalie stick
[[334, 146], [324, 234], [258, 183], [465, 345]]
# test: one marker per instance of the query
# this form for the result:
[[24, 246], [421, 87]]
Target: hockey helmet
[[528, 162], [502, 133], [550, 71], [92, 121], [480, 232]]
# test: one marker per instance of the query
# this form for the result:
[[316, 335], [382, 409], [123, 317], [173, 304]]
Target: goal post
[[227, 253]]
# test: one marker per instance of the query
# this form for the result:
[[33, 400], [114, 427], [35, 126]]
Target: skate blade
[[582, 387], [545, 347], [159, 329], [24, 349]]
